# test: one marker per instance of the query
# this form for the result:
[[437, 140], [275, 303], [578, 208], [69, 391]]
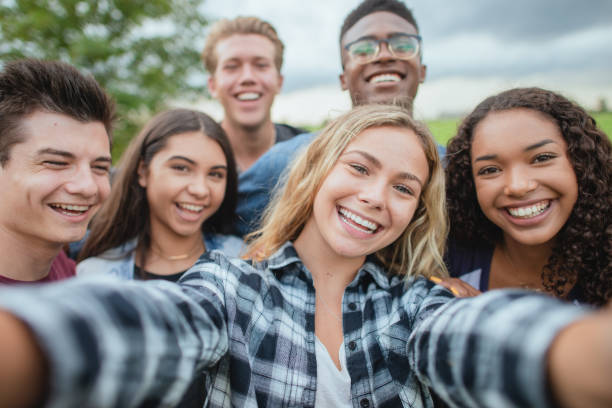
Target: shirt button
[[352, 306], [352, 347], [365, 403]]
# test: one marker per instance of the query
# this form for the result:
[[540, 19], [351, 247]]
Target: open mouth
[[71, 210], [529, 211], [248, 96], [357, 222], [192, 208], [387, 77]]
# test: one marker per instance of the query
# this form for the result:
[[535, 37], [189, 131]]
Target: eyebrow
[[373, 37], [376, 163], [69, 155], [528, 148], [188, 160]]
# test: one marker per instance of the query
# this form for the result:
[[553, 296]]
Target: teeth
[[385, 78], [369, 226], [71, 207], [191, 207], [529, 211], [248, 96]]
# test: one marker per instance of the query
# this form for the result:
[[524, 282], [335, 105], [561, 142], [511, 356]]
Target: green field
[[444, 129]]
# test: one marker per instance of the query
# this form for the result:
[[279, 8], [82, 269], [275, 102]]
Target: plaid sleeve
[[121, 344], [489, 351]]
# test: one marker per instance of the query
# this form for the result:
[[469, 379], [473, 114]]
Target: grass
[[444, 129]]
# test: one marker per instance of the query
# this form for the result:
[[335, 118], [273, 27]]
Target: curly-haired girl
[[529, 197]]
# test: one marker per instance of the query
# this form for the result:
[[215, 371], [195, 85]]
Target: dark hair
[[368, 7], [125, 214], [583, 247], [30, 85]]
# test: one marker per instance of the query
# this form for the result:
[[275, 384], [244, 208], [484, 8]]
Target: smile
[[529, 211], [72, 210], [248, 96], [357, 222], [386, 77], [190, 207]]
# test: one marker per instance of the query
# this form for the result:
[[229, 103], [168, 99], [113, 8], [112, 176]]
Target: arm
[[580, 363], [118, 343], [490, 350], [24, 366]]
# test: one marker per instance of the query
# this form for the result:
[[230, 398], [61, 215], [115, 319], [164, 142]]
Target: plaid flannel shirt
[[252, 329]]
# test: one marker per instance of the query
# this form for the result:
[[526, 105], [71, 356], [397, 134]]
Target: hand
[[457, 286], [580, 362]]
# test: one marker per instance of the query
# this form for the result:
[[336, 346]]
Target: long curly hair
[[582, 250]]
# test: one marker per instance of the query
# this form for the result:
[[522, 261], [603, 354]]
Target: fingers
[[458, 287]]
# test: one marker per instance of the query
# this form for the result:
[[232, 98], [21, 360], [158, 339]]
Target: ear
[[281, 79], [422, 73], [212, 86], [343, 81], [142, 174]]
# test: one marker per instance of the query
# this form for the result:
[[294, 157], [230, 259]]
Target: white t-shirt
[[333, 386]]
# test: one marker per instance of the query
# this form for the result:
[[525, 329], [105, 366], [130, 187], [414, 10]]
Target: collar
[[286, 255]]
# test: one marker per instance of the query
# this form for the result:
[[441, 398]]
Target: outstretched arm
[[23, 367], [580, 363]]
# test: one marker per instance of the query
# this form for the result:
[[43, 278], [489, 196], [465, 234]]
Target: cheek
[[104, 188]]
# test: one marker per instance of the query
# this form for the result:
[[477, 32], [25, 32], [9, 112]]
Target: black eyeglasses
[[401, 46]]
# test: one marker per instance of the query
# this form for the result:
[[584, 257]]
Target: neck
[[329, 270], [521, 265], [249, 143], [25, 259]]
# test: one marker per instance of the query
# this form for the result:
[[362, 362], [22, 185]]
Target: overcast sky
[[472, 48]]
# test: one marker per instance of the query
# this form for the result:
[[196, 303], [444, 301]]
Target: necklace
[[199, 246], [327, 307]]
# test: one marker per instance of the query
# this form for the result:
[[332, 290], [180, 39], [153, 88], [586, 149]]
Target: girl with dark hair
[[529, 198], [173, 196]]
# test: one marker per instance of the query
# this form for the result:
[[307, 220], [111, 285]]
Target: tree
[[143, 52]]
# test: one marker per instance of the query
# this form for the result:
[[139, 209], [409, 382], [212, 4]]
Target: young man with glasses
[[382, 63]]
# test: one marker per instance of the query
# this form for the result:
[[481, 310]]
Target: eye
[[487, 171], [404, 189], [101, 169], [180, 167], [55, 163], [217, 174], [544, 157], [262, 65], [359, 168]]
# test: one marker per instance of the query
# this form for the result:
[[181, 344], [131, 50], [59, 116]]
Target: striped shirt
[[251, 328]]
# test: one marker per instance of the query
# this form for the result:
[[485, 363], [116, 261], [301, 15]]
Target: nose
[[373, 195], [519, 183], [384, 53], [198, 187], [82, 182], [247, 74]]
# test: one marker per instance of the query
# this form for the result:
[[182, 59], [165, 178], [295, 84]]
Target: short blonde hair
[[240, 25], [418, 251]]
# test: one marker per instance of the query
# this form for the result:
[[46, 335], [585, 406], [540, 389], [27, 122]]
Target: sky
[[472, 48]]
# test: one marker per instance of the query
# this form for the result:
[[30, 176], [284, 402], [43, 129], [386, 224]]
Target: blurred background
[[146, 53]]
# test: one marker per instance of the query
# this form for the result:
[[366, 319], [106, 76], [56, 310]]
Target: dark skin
[[579, 363]]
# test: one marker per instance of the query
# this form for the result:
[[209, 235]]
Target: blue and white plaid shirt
[[126, 344]]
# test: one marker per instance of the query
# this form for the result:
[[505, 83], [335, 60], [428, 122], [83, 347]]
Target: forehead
[[397, 148], [245, 46], [380, 24], [44, 129], [195, 145], [514, 129]]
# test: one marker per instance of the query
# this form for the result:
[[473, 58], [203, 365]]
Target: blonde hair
[[240, 25], [418, 251]]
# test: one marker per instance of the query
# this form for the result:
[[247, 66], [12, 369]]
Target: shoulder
[[286, 132], [230, 245], [118, 261]]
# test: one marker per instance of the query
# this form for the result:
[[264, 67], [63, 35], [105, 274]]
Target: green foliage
[[604, 122], [143, 52]]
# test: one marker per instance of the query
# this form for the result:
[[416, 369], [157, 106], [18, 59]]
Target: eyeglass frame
[[386, 41]]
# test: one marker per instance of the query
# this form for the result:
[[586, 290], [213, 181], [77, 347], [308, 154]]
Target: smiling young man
[[382, 63], [55, 126], [244, 57]]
